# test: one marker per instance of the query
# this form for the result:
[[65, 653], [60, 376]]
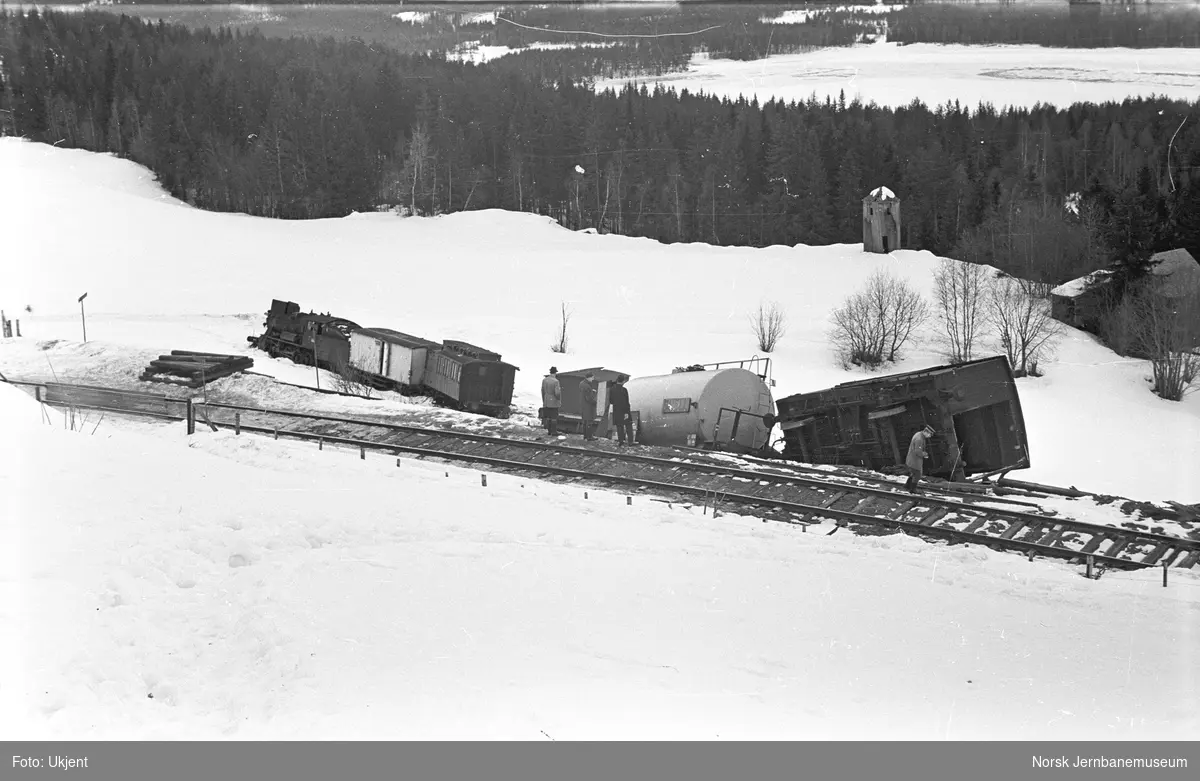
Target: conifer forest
[[302, 127]]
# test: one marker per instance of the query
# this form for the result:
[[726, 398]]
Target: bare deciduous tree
[[872, 325], [960, 302], [1167, 331], [560, 338], [350, 380], [769, 324], [1020, 311]]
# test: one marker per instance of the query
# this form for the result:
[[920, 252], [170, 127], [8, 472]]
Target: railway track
[[770, 493], [780, 493]]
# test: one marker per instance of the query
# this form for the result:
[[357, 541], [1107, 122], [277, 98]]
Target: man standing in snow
[[551, 400], [618, 397], [918, 451], [587, 405]]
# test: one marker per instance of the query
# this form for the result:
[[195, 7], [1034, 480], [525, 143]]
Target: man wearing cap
[[551, 400], [587, 405], [918, 451], [618, 397]]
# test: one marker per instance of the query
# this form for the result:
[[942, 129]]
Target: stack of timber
[[193, 369]]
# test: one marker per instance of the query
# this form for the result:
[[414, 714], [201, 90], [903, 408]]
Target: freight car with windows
[[472, 378], [973, 407]]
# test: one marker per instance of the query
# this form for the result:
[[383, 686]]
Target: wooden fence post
[[483, 480], [1090, 563], [362, 452], [191, 417], [237, 423], [320, 443], [1165, 574]]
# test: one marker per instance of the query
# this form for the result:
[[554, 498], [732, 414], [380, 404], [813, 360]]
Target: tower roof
[[882, 194]]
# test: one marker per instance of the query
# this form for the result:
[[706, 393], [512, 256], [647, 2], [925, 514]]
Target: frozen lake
[[894, 75]]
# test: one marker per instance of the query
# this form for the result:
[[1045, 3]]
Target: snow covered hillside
[[215, 586], [161, 275]]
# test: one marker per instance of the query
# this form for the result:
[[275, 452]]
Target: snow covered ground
[[894, 75], [163, 586], [636, 305]]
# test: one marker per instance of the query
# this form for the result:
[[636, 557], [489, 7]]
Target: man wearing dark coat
[[918, 451], [587, 405], [551, 400], [618, 397]]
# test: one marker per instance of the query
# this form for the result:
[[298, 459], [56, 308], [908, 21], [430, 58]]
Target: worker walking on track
[[918, 451]]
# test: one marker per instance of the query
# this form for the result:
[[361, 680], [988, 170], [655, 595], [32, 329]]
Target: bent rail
[[774, 493]]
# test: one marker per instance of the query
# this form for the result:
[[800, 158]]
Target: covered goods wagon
[[728, 409], [392, 357], [475, 378], [973, 407]]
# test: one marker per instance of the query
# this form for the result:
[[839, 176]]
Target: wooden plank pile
[[193, 369]]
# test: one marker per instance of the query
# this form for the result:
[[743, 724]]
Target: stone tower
[[881, 221]]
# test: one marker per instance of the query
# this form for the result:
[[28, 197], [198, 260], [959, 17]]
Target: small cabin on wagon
[[881, 221], [973, 407], [570, 414]]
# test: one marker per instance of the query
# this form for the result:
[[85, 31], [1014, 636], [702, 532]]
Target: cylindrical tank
[[703, 404]]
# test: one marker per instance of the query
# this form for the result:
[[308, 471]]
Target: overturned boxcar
[[973, 407]]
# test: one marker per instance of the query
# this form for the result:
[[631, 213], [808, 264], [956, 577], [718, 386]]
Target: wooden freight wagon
[[973, 407], [472, 377], [390, 358]]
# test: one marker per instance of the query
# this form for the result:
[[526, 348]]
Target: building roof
[[1177, 274], [1076, 286], [1177, 271]]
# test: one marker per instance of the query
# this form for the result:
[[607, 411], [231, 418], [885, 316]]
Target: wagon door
[[987, 439], [400, 364]]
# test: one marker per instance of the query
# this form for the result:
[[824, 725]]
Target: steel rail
[[1048, 530], [746, 499], [892, 495]]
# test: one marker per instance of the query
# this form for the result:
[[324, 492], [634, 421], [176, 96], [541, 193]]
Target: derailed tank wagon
[[973, 407], [726, 409]]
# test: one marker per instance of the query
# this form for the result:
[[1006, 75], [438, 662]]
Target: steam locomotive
[[456, 373]]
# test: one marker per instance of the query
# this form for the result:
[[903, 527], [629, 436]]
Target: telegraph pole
[[83, 317]]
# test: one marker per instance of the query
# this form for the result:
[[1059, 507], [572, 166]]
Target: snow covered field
[[218, 586], [894, 75]]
